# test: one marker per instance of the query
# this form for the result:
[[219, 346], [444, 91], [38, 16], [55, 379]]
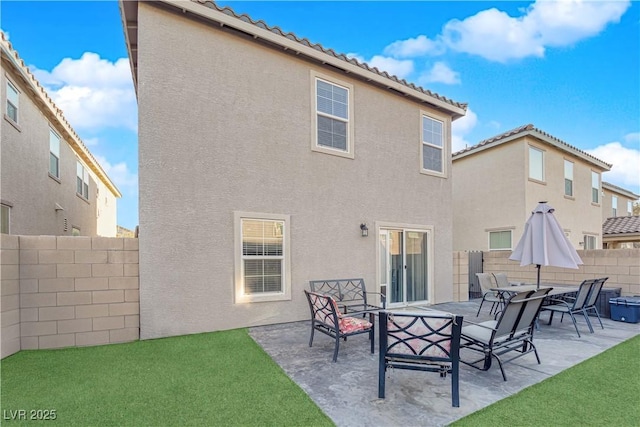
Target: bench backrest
[[519, 314], [342, 290]]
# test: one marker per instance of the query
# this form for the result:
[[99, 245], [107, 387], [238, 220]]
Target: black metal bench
[[350, 294]]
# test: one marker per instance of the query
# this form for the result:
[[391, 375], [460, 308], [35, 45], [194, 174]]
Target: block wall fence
[[63, 291], [621, 266]]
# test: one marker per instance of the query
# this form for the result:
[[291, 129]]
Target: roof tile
[[621, 225]]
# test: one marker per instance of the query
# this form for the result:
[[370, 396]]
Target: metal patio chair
[[572, 306], [495, 298], [593, 299]]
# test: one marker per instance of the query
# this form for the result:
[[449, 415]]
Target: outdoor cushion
[[352, 324], [480, 333]]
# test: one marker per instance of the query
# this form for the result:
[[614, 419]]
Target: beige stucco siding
[[26, 184], [224, 127]]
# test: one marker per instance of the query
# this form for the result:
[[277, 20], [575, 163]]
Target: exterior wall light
[[364, 230]]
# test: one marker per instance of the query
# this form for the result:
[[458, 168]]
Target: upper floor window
[[536, 164], [432, 145], [595, 187], [568, 178], [82, 181], [629, 207], [5, 211], [332, 116], [54, 154], [13, 98], [262, 257], [614, 206], [500, 240]]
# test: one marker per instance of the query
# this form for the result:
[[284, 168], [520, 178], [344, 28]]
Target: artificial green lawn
[[601, 391], [220, 378]]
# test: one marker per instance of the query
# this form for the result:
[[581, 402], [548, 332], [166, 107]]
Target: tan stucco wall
[[492, 190], [607, 204], [225, 126], [68, 291], [25, 182]]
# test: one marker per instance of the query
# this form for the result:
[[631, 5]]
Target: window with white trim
[[432, 145], [82, 181], [54, 154], [332, 115], [262, 258], [614, 206], [5, 212], [500, 240], [629, 208], [568, 178], [590, 241], [536, 164], [595, 187], [13, 100]]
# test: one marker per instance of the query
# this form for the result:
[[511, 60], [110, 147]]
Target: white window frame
[[82, 174], [568, 176], [443, 148], [12, 88], [241, 296], [350, 150], [7, 210], [595, 195], [629, 208], [54, 153], [503, 248], [588, 239], [531, 169], [614, 206]]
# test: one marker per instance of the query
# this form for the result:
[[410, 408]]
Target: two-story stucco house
[[616, 201], [620, 228], [51, 183], [264, 161], [498, 182]]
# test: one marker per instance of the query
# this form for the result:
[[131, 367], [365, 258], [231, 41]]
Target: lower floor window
[[500, 240], [262, 257], [590, 242]]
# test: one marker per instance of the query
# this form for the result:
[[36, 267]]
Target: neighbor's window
[[568, 178], [629, 207], [432, 145], [54, 154], [590, 242], [5, 211], [614, 206], [13, 98], [500, 240], [263, 257], [82, 181], [595, 187], [536, 164]]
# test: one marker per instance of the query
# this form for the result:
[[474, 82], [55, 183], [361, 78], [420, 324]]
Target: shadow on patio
[[347, 390]]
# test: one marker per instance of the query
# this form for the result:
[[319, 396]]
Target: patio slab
[[347, 390]]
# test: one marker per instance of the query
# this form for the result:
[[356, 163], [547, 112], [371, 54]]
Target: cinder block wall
[[62, 291], [621, 266], [460, 276]]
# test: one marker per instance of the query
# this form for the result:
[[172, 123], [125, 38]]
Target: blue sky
[[571, 68]]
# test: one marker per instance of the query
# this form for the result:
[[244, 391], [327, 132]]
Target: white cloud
[[418, 46], [632, 137], [496, 36], [120, 174], [400, 68], [94, 93], [625, 171], [461, 128], [440, 73]]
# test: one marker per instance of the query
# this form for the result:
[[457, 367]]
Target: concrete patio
[[347, 390]]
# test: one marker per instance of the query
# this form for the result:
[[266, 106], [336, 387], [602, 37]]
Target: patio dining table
[[558, 290]]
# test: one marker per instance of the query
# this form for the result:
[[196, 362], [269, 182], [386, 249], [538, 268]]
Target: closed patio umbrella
[[544, 243]]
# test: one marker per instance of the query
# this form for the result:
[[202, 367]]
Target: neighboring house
[[616, 201], [499, 181], [264, 158], [621, 232], [50, 183]]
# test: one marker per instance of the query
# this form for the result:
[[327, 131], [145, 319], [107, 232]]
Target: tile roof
[[530, 129], [303, 41], [621, 225], [39, 91]]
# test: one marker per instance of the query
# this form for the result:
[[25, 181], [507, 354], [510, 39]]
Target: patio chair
[[501, 280], [572, 306], [326, 318], [512, 331], [593, 298], [422, 342], [495, 298]]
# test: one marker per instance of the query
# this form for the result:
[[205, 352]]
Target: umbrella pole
[[538, 281]]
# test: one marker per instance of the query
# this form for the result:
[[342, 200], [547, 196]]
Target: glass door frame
[[405, 228]]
